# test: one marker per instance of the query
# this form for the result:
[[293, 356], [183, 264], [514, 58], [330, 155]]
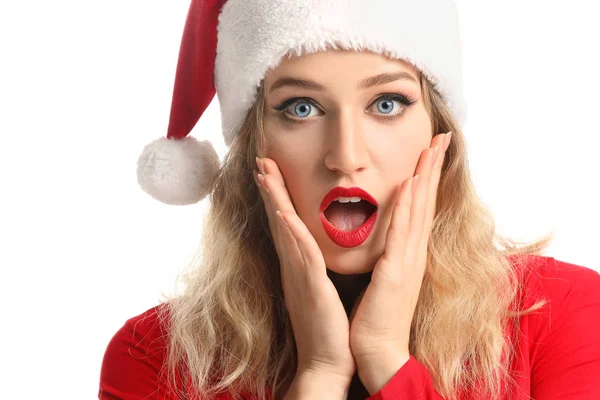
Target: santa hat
[[228, 47]]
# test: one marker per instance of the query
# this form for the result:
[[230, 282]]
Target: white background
[[85, 85]]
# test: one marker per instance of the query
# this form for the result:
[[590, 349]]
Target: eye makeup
[[282, 110]]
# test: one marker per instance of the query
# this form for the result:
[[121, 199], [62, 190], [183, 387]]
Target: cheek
[[400, 144], [396, 158], [295, 171], [298, 161]]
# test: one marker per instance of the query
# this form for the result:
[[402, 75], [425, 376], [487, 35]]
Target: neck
[[349, 287]]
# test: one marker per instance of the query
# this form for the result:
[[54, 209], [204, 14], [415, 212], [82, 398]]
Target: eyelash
[[405, 100]]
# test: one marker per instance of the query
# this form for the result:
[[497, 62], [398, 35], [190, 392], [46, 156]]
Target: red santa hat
[[228, 47]]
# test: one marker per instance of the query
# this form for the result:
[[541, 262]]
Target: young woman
[[360, 263]]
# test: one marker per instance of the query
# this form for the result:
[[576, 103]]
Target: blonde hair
[[230, 332]]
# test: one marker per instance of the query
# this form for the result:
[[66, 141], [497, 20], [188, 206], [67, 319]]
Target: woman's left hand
[[382, 316]]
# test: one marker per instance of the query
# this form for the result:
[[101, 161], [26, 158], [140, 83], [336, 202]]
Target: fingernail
[[255, 175], [261, 178], [260, 165], [447, 139]]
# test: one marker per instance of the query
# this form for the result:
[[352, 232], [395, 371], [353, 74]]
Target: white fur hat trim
[[254, 35]]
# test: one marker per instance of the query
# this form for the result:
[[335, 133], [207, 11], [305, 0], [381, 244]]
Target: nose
[[347, 150]]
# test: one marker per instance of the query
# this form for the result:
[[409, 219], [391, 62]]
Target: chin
[[350, 262]]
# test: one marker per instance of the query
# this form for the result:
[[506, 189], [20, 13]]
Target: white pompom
[[177, 172]]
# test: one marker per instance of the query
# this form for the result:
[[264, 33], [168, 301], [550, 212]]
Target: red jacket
[[558, 350]]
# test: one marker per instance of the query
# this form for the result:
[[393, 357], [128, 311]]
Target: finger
[[397, 235], [421, 259], [289, 274], [285, 244], [442, 141], [273, 181], [300, 244], [278, 233], [270, 167], [290, 240], [419, 205], [280, 201], [267, 203], [307, 246]]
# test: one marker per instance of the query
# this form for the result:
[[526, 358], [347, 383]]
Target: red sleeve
[[412, 381], [566, 363], [133, 359]]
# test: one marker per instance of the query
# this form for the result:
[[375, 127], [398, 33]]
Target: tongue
[[348, 216]]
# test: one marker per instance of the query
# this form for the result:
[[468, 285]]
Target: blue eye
[[298, 108], [390, 106], [385, 106], [302, 109]]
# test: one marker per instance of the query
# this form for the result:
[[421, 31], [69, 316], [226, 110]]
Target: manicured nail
[[261, 178], [255, 177], [260, 165], [447, 139]]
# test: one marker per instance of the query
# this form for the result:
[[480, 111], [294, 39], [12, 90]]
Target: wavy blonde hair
[[229, 329]]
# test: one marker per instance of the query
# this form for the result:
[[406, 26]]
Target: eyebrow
[[376, 80], [386, 78]]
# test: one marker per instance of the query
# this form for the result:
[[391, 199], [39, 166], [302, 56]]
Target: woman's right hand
[[318, 318]]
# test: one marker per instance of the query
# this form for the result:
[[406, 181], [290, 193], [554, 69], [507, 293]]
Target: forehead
[[339, 63]]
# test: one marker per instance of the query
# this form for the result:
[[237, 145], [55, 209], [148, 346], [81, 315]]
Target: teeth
[[348, 199]]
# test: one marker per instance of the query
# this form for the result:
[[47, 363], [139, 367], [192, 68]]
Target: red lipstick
[[357, 236]]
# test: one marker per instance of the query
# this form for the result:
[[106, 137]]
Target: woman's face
[[345, 120]]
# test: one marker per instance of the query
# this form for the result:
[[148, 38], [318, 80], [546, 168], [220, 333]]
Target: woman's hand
[[318, 318], [382, 316]]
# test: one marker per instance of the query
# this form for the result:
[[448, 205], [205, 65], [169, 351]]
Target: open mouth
[[348, 213]]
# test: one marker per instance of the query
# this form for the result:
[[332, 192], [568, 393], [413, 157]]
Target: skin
[[346, 143]]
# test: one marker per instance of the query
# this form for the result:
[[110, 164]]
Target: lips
[[361, 233], [345, 192]]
